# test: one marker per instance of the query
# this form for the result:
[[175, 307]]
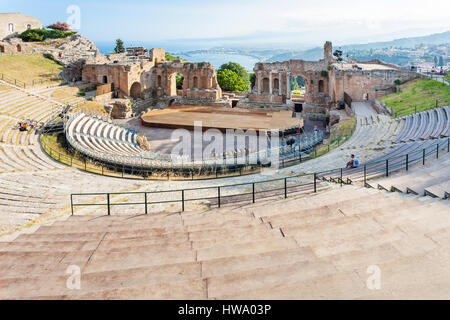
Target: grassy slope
[[421, 93], [29, 67]]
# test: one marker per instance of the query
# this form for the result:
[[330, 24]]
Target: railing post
[[253, 192], [145, 199], [437, 151], [218, 197], [423, 157], [387, 167], [108, 202], [365, 175], [407, 162], [285, 188], [315, 183], [182, 200], [448, 145], [71, 203], [341, 177]]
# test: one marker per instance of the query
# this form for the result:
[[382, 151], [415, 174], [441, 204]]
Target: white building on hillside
[[13, 24]]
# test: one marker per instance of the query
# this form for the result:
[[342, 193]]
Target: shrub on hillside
[[63, 26], [43, 34]]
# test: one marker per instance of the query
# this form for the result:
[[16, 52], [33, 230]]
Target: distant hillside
[[317, 53], [436, 38]]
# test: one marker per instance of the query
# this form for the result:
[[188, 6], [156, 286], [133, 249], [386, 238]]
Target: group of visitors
[[24, 125]]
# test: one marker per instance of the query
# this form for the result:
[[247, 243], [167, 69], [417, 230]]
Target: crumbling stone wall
[[121, 109], [325, 83], [15, 46], [273, 80], [132, 77]]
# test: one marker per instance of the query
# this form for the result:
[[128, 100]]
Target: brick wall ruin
[[131, 77]]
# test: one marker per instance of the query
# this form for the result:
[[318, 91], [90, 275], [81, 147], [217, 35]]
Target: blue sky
[[273, 23]]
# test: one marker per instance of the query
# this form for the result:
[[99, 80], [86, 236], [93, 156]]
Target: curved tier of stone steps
[[318, 246], [432, 179], [23, 105], [63, 98], [424, 125], [99, 136]]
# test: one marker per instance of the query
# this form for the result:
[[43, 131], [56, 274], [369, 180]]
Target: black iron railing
[[252, 191]]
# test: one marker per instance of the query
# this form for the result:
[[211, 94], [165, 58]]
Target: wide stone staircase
[[318, 246], [433, 180]]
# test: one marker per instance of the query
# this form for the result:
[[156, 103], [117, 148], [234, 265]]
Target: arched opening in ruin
[[159, 81], [266, 85], [195, 82], [298, 91], [19, 48], [276, 85], [176, 81], [135, 90], [298, 86], [11, 27], [28, 26], [2, 49], [321, 86], [105, 79]]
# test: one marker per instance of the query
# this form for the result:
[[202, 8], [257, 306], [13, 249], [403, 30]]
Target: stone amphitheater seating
[[314, 246], [425, 180], [424, 125], [19, 150], [23, 105], [97, 135], [66, 99], [317, 247]]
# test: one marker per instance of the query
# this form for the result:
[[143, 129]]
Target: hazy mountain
[[317, 53]]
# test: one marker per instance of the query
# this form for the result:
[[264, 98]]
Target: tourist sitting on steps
[[353, 163]]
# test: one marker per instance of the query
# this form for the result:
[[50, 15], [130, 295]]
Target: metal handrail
[[433, 150]]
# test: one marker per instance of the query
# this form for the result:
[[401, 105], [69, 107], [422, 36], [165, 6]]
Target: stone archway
[[321, 86], [266, 85], [195, 80], [276, 85], [2, 49], [19, 48], [136, 90]]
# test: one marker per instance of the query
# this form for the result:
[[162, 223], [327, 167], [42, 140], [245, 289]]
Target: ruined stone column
[[270, 83], [280, 92], [288, 85], [259, 82]]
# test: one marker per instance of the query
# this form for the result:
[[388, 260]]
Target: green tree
[[239, 70], [170, 57], [230, 81], [119, 47], [252, 80], [179, 79]]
